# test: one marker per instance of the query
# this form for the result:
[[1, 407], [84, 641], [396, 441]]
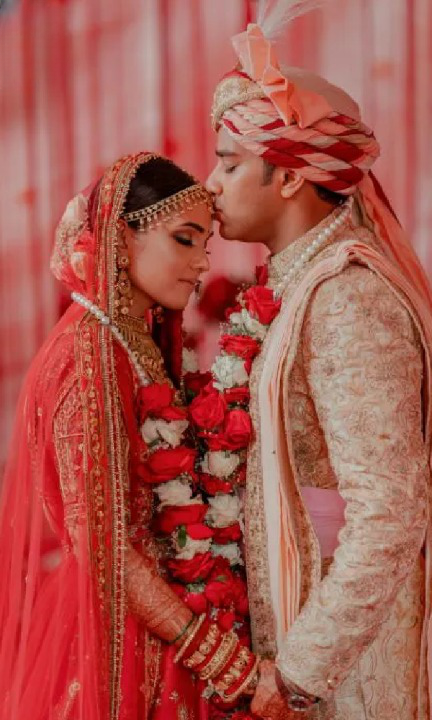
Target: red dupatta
[[65, 634]]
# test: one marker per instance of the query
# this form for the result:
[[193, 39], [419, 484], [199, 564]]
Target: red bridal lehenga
[[71, 648]]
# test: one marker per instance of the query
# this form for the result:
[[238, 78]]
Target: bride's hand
[[268, 702]]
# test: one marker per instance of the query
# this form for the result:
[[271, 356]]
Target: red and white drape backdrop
[[82, 82]]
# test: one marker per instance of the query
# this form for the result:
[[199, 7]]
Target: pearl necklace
[[104, 320], [315, 245]]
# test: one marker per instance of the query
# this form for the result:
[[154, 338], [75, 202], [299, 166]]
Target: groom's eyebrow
[[226, 153]]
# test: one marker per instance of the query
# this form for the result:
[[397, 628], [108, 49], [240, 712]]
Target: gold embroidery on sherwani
[[381, 682], [262, 622], [364, 368]]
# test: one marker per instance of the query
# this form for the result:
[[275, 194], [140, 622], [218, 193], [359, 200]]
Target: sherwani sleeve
[[364, 366], [149, 596]]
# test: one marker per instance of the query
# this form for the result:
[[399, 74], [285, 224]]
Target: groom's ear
[[290, 182]]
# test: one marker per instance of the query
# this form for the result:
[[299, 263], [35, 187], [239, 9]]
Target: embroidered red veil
[[67, 645]]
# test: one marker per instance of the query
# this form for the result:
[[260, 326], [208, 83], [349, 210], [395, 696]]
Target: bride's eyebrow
[[194, 226]]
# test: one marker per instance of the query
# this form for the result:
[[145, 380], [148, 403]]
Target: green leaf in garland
[[182, 536]]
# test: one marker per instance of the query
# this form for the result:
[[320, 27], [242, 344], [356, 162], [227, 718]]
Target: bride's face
[[167, 262]]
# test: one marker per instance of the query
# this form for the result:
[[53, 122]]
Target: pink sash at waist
[[326, 508]]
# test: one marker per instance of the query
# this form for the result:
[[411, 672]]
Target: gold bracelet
[[205, 647], [190, 637], [222, 655], [244, 684]]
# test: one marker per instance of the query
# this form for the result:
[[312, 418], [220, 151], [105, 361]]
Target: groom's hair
[[328, 196]]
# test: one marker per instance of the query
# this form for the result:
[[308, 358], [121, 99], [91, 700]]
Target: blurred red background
[[85, 81]]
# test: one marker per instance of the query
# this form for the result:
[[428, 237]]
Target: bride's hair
[[155, 180]]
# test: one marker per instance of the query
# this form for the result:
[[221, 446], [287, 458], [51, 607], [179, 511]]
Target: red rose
[[242, 345], [237, 395], [197, 602], [169, 518], [260, 303], [167, 464], [207, 410], [213, 485], [261, 274], [199, 531], [232, 533], [194, 382], [156, 400], [237, 429], [153, 398], [225, 620], [190, 571]]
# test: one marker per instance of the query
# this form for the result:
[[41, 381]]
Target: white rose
[[231, 552], [175, 492], [221, 463], [224, 510], [229, 371], [170, 432], [248, 325], [191, 548], [190, 362]]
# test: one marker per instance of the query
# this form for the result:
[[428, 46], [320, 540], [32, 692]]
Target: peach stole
[[283, 498]]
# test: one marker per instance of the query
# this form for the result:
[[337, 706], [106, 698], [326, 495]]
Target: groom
[[338, 476]]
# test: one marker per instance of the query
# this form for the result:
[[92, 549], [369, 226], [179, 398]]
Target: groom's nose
[[212, 184]]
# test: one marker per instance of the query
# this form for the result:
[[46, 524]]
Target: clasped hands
[[268, 701]]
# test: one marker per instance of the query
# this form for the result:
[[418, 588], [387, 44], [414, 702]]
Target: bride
[[94, 617]]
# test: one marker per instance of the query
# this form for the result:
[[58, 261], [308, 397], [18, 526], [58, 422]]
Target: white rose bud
[[229, 371], [188, 550], [175, 492], [224, 510], [170, 432], [220, 463], [231, 552], [190, 362]]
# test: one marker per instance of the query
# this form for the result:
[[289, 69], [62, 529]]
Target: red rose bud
[[199, 531], [197, 602], [213, 485], [261, 274], [207, 410], [195, 382], [192, 570], [152, 399], [225, 620], [241, 345], [260, 303], [168, 464], [237, 429], [237, 395], [171, 517], [225, 535]]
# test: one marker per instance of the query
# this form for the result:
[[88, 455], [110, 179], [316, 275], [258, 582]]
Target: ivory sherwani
[[347, 416]]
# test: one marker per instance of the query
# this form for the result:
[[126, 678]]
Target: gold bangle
[[205, 647], [222, 655], [233, 696], [189, 638], [234, 672]]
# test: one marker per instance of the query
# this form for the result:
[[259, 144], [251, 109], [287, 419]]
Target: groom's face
[[248, 200]]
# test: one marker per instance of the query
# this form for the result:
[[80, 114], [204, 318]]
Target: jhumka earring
[[124, 292], [158, 314]]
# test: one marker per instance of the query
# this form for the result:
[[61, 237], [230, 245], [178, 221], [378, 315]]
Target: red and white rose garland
[[199, 509]]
